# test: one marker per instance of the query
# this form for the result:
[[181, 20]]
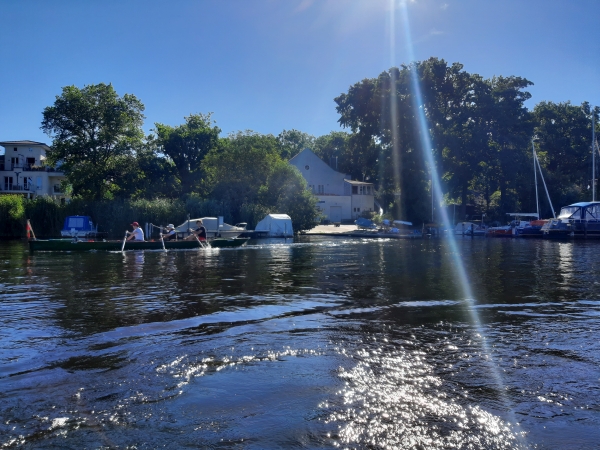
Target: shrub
[[12, 212]]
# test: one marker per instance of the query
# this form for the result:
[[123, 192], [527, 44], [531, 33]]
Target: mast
[[536, 160], [537, 203], [593, 156]]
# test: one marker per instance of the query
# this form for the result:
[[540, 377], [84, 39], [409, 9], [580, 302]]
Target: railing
[[27, 168], [16, 187]]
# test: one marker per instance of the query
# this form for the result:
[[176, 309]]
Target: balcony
[[26, 167], [17, 188]]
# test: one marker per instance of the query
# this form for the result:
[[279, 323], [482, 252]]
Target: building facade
[[23, 170], [339, 198]]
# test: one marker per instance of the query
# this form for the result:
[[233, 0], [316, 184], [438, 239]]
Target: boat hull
[[68, 245], [558, 229], [379, 235]]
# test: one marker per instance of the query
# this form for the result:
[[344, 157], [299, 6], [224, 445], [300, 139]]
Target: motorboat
[[515, 227], [470, 229], [533, 229], [215, 227], [79, 227], [396, 229], [579, 220]]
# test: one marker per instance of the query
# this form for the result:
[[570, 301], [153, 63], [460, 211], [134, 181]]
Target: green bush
[[46, 216], [12, 213]]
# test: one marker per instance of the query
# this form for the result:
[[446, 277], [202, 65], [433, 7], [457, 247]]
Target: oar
[[161, 239], [200, 243], [124, 239]]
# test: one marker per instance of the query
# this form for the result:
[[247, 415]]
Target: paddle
[[162, 240], [124, 239], [200, 243]]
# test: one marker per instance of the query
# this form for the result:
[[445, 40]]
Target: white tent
[[277, 225]]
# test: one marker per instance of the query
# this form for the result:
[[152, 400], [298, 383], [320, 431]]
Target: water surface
[[322, 342]]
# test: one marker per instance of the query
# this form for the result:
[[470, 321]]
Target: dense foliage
[[95, 133]]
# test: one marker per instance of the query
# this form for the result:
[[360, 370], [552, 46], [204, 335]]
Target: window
[[75, 222], [8, 183], [15, 149], [354, 190], [321, 189]]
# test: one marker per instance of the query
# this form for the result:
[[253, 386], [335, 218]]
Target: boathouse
[[340, 199]]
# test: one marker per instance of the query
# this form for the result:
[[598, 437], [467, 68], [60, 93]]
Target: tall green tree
[[247, 174], [292, 142], [564, 135], [155, 175], [94, 132], [187, 145], [333, 148]]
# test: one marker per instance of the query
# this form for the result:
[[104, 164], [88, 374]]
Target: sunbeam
[[427, 150]]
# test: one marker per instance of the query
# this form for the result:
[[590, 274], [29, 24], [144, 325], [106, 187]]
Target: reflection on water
[[318, 343]]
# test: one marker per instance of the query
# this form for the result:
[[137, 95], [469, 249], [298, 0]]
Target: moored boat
[[215, 227], [533, 229], [80, 227], [579, 220], [68, 245]]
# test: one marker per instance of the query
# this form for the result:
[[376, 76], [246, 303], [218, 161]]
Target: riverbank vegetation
[[479, 132]]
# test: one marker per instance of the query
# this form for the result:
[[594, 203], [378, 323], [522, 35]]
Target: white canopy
[[277, 225]]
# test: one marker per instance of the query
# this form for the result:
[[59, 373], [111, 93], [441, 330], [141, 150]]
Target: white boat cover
[[277, 225]]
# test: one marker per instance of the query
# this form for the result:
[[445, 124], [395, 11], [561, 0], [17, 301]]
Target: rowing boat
[[68, 245]]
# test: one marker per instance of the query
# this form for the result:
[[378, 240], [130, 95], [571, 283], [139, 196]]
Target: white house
[[23, 170], [340, 199]]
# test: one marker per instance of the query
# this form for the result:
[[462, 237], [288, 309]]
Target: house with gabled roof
[[340, 199], [23, 170]]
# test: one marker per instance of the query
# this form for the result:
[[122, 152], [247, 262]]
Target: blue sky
[[270, 65]]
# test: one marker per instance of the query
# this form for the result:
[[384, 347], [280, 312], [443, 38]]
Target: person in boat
[[199, 232], [137, 234], [171, 234]]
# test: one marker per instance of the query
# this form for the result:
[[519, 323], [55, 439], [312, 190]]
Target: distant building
[[340, 199], [23, 170]]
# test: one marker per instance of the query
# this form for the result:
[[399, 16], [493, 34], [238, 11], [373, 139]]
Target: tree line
[[479, 131], [481, 135]]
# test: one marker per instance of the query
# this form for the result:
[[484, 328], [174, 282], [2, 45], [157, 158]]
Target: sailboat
[[534, 227], [579, 220], [521, 224]]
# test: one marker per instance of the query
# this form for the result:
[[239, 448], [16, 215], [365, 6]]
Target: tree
[[248, 176], [333, 148], [510, 130], [293, 142], [94, 133], [238, 168], [285, 191], [564, 144], [187, 145], [155, 175]]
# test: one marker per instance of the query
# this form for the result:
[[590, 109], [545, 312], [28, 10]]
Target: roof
[[278, 216], [583, 204], [536, 215], [13, 143], [358, 183]]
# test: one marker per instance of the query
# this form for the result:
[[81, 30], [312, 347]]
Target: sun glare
[[461, 275]]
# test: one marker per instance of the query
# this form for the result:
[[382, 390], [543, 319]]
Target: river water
[[322, 342]]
